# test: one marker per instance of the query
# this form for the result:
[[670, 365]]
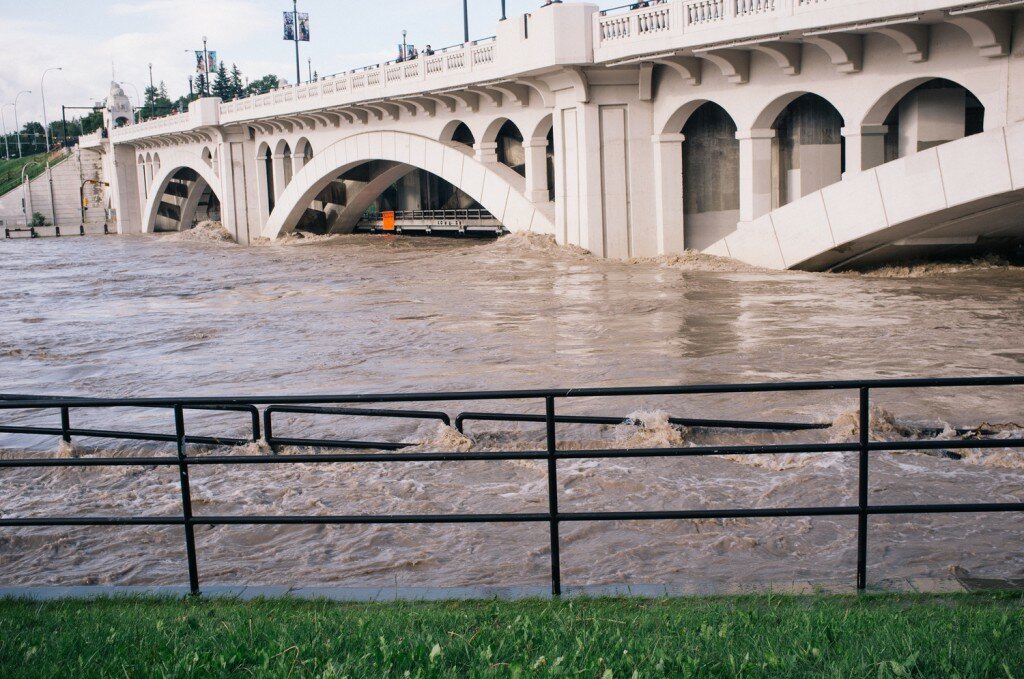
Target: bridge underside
[[993, 225]]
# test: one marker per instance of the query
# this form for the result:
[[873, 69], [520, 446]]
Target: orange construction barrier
[[389, 221]]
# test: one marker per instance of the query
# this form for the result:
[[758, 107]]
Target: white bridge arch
[[171, 162], [498, 188]]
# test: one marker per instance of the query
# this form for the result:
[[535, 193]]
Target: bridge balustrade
[[752, 18], [466, 58]]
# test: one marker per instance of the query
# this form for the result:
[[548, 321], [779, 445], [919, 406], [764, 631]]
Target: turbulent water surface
[[173, 316]]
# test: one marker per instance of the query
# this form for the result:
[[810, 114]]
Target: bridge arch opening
[[283, 165], [544, 133], [458, 132], [927, 114], [185, 200], [303, 154], [422, 203], [143, 175], [808, 150], [207, 156], [711, 175], [266, 159], [508, 141]]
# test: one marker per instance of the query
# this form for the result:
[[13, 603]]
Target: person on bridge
[[428, 51]]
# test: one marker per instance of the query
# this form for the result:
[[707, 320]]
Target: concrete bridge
[[785, 133]]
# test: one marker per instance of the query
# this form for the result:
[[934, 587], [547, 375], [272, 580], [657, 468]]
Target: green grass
[[10, 170], [755, 636]]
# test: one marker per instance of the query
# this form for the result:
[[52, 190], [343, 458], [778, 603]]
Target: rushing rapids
[[195, 315]]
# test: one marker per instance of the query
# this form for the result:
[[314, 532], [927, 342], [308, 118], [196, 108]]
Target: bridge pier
[[668, 193], [241, 207], [536, 169], [755, 173]]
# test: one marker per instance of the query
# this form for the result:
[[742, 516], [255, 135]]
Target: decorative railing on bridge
[[678, 17], [863, 448], [179, 122], [356, 85]]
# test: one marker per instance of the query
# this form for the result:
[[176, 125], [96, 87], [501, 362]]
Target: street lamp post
[[17, 130], [503, 16], [465, 20], [7, 142], [42, 92], [26, 196], [46, 128], [405, 44], [206, 66]]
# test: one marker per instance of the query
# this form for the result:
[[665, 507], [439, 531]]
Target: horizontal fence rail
[[339, 406]]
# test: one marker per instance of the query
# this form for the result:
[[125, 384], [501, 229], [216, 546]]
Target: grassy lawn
[[10, 170], [755, 636]]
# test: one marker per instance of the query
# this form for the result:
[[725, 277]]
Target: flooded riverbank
[[159, 317]]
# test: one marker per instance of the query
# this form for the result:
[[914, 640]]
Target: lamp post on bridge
[[152, 90], [503, 17], [295, 18], [465, 20]]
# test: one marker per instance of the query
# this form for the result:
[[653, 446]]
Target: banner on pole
[[290, 27], [210, 65]]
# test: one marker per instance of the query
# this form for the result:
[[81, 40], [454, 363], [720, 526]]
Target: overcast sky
[[88, 39]]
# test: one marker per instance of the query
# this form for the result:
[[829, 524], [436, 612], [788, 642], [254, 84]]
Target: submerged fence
[[341, 406]]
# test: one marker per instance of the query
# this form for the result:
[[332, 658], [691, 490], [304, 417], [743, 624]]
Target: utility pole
[[465, 19]]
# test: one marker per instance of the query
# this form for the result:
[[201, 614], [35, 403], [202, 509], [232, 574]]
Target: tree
[[91, 122], [237, 88], [149, 107], [222, 83], [263, 85], [201, 84], [33, 138]]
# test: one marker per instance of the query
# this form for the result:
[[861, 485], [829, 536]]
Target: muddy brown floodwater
[[170, 316]]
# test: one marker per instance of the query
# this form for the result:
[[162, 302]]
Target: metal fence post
[[862, 484], [186, 500], [65, 424], [556, 569]]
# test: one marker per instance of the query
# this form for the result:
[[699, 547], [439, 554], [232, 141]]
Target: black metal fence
[[331, 406]]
